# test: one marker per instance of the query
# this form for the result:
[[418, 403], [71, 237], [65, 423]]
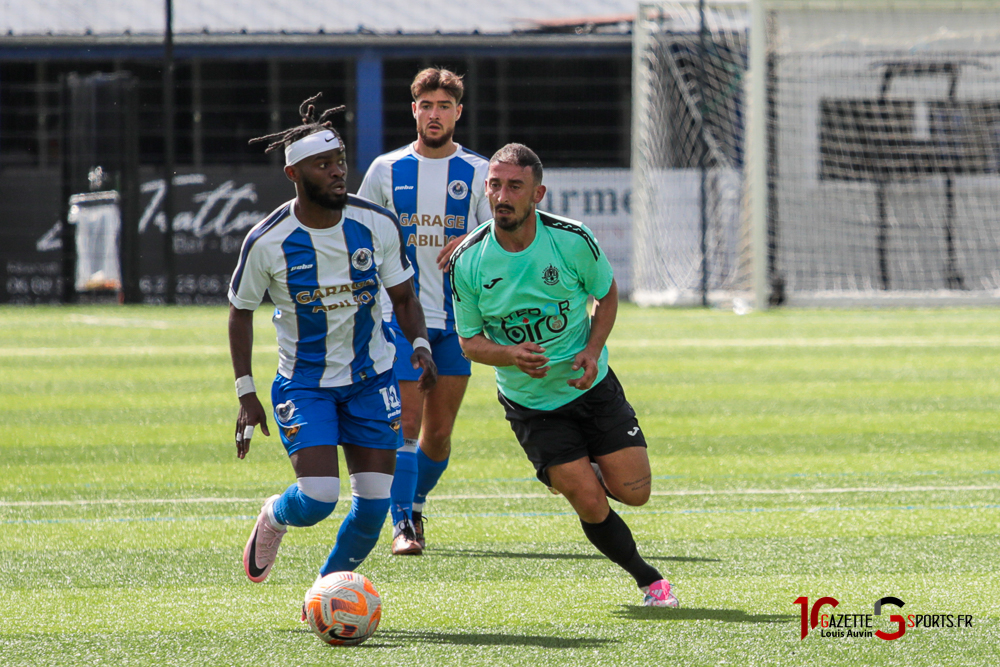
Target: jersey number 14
[[390, 397]]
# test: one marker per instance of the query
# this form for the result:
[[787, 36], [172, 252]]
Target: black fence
[[573, 110], [82, 148]]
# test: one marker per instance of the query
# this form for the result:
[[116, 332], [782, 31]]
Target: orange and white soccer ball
[[343, 608]]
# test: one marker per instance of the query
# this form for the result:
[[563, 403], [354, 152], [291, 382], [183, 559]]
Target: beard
[[317, 195], [511, 223], [431, 142]]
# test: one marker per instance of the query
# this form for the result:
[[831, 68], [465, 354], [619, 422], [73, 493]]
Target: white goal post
[[865, 165]]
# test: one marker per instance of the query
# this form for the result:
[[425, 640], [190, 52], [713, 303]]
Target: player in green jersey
[[520, 285]]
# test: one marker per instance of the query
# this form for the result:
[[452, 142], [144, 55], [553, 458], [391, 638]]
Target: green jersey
[[537, 295]]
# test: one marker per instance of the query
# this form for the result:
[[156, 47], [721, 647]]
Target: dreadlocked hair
[[310, 125]]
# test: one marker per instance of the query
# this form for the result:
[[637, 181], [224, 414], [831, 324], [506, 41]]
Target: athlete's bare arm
[[444, 257], [410, 315], [527, 356], [601, 325], [241, 350]]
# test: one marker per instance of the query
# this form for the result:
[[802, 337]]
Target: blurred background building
[[555, 76], [870, 172]]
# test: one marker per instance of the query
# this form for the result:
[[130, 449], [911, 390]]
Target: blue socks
[[404, 482], [358, 534], [429, 472], [295, 508]]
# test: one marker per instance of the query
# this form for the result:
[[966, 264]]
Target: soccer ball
[[343, 608]]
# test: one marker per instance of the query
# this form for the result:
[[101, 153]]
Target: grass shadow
[[373, 642], [398, 638], [551, 556], [638, 613], [490, 639]]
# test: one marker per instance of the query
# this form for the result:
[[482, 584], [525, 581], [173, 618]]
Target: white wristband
[[421, 342], [244, 386]]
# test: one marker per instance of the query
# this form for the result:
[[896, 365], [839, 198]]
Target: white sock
[[271, 519]]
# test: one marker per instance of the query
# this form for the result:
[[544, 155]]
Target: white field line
[[100, 321], [115, 351], [891, 341], [896, 341], [506, 496]]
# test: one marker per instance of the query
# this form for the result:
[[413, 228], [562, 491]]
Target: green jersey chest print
[[537, 295]]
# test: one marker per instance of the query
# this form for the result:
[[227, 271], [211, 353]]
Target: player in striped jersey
[[435, 186], [323, 257]]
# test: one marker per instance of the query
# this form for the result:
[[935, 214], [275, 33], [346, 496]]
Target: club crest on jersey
[[550, 275], [458, 189], [362, 259], [396, 424]]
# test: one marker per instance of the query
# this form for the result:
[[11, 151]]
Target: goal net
[[871, 142], [688, 151]]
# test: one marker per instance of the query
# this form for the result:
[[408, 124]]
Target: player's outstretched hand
[[251, 414], [588, 362], [530, 359], [444, 257], [421, 358]]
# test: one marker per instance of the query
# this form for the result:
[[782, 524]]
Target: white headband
[[318, 142]]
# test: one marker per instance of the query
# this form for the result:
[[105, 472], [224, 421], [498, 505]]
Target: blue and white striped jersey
[[435, 200], [325, 284]]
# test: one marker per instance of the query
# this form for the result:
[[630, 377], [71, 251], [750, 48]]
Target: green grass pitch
[[851, 454]]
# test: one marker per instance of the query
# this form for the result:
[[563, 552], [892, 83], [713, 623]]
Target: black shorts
[[600, 422]]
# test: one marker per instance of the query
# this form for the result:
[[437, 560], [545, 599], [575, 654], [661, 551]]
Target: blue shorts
[[445, 350], [365, 413]]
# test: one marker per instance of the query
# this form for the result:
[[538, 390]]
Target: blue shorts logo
[[288, 421]]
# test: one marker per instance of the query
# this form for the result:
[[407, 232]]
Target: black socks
[[613, 538]]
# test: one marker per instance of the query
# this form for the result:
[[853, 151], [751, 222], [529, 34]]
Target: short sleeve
[[371, 187], [468, 317], [592, 266], [395, 268], [483, 211], [251, 277], [482, 203]]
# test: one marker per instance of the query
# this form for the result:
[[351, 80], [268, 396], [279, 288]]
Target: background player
[[435, 186], [322, 257], [521, 284]]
